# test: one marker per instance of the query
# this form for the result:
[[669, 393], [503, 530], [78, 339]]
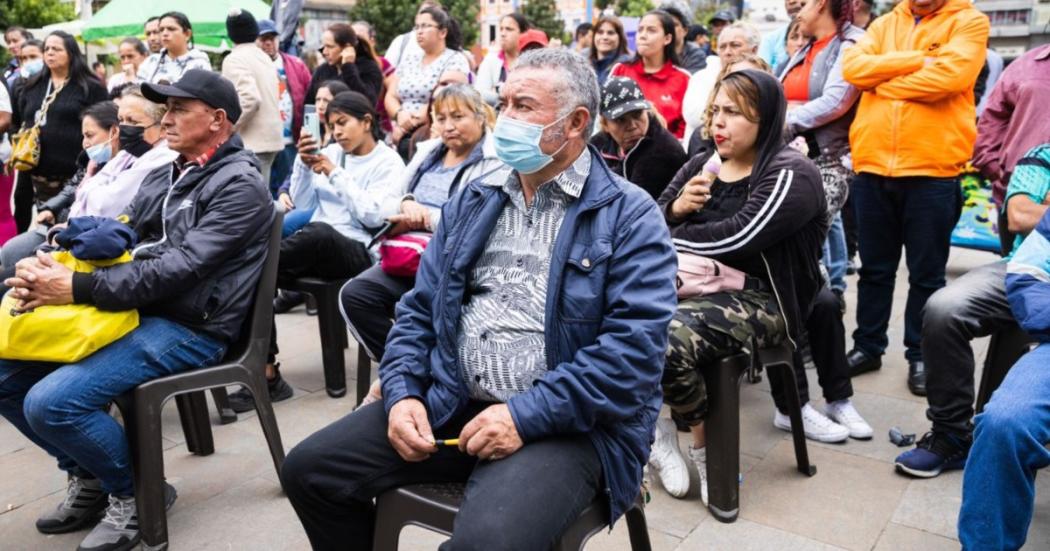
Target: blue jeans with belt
[[917, 214], [60, 407], [1009, 446]]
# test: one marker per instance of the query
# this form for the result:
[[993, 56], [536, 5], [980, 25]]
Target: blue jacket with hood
[[610, 301]]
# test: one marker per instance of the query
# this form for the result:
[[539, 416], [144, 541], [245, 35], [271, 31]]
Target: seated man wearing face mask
[[535, 334]]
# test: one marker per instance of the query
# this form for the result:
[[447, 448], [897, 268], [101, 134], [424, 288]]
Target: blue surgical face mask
[[31, 68], [518, 144], [100, 153]]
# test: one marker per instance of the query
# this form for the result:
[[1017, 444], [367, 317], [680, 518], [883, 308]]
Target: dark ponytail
[[453, 35], [357, 106]]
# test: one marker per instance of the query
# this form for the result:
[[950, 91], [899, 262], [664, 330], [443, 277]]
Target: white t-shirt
[[416, 81], [284, 100], [5, 107]]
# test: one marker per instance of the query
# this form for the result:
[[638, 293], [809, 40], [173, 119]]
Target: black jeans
[[23, 199], [368, 303], [917, 214], [318, 250], [524, 501], [827, 343], [972, 306]]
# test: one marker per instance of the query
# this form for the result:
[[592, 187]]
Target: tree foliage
[[543, 14], [393, 17], [633, 8], [32, 14]]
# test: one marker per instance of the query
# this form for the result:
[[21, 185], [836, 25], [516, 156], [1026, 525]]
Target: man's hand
[[40, 281], [491, 435], [409, 430], [286, 201], [45, 218], [694, 196]]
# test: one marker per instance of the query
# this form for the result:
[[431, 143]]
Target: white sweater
[[700, 86]]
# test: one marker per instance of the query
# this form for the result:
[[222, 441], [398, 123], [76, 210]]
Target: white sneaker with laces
[[699, 459], [666, 460], [815, 424], [843, 413]]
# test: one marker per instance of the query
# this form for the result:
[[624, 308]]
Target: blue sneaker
[[935, 453]]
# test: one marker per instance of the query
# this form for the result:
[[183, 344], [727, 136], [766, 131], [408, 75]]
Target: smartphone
[[312, 122]]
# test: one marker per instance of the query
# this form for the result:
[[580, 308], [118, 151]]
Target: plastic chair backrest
[[255, 337]]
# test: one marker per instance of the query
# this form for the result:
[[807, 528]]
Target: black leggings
[[368, 303]]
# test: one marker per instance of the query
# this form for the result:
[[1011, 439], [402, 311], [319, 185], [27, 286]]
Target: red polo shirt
[[665, 89]]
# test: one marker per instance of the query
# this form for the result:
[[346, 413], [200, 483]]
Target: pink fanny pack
[[399, 255], [699, 275]]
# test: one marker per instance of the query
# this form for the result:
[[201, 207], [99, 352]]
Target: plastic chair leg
[[193, 413], [364, 372], [333, 342], [637, 528], [268, 421], [142, 426], [222, 404], [723, 437], [1005, 348], [786, 373]]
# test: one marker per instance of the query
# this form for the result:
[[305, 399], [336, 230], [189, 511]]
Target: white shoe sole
[[814, 437]]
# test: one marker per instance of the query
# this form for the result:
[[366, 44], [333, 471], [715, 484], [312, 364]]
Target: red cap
[[532, 36]]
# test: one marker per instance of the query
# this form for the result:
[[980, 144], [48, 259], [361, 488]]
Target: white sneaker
[[816, 425], [666, 459], [843, 413], [699, 459]]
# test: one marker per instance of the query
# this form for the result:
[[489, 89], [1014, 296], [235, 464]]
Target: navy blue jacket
[[610, 300]]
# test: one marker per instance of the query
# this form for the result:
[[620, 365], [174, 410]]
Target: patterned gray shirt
[[501, 346]]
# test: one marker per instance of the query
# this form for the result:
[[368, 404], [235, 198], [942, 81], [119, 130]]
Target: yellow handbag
[[66, 333], [25, 151]]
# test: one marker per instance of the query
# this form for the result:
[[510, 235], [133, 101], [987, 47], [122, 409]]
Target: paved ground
[[231, 500]]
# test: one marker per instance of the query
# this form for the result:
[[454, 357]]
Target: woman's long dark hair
[[104, 113], [618, 27], [667, 22], [343, 34], [79, 72], [454, 36], [521, 20], [769, 102], [356, 105]]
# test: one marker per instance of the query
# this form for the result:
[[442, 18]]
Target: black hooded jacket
[[782, 224], [203, 240], [650, 164]]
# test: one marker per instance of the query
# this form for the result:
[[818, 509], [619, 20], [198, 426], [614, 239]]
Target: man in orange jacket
[[914, 130]]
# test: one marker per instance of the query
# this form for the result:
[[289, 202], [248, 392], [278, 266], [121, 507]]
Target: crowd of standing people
[[594, 229]]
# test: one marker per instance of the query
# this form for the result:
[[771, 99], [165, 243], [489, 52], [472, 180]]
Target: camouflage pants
[[836, 178], [707, 329]]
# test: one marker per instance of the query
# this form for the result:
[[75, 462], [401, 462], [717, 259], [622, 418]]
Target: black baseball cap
[[723, 15], [200, 84], [621, 95]]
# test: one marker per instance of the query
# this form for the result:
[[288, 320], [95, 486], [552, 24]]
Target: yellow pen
[[449, 442]]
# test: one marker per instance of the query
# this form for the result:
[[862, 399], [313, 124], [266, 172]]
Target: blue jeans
[[60, 407], [294, 221], [1009, 445], [835, 255], [915, 213]]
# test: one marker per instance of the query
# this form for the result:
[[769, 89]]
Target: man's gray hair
[[749, 30], [576, 85]]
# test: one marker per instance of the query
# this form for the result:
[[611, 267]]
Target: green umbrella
[[122, 18]]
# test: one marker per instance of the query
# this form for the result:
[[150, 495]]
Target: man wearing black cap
[[202, 226], [293, 80], [252, 74], [690, 56], [632, 142], [718, 22]]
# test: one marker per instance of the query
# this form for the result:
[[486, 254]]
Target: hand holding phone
[[312, 122]]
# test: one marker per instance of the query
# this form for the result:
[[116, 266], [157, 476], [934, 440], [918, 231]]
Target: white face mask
[[31, 68]]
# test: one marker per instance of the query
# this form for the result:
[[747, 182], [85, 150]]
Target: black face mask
[[132, 140]]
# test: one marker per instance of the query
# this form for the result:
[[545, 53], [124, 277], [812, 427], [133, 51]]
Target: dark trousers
[[827, 343], [917, 214], [972, 306], [318, 250], [524, 501], [23, 202], [849, 223], [368, 302]]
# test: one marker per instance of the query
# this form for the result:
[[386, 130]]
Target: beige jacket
[[254, 75]]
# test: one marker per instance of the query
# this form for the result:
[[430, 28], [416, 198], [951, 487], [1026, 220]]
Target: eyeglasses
[[424, 26]]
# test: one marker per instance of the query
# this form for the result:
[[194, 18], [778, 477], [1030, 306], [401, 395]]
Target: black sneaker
[[285, 301], [311, 305], [935, 453], [82, 506], [858, 362], [243, 401]]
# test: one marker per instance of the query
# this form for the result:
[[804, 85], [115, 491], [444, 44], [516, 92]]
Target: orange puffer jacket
[[916, 115]]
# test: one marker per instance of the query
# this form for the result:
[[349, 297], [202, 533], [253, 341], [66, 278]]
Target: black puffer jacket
[[203, 244], [650, 164]]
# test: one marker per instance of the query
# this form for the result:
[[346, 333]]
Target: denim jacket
[[610, 301]]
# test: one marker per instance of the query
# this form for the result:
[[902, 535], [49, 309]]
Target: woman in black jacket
[[349, 59], [763, 214], [67, 79], [633, 143]]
